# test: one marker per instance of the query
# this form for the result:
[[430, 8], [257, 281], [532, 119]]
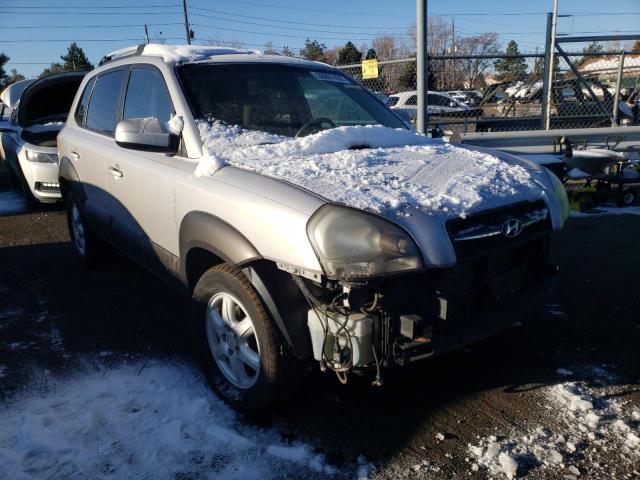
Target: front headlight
[[353, 244], [561, 194], [40, 157]]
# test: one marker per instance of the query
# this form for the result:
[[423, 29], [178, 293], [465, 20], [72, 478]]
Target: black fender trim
[[208, 232], [67, 174]]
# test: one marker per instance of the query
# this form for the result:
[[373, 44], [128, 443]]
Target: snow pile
[[606, 211], [397, 171], [147, 420], [175, 125], [192, 53], [584, 425], [11, 203]]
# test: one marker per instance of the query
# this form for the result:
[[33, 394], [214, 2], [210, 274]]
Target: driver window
[[147, 96]]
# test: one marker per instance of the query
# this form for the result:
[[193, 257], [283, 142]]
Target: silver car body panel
[[158, 191]]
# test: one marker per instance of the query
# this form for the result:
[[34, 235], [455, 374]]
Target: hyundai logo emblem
[[511, 228]]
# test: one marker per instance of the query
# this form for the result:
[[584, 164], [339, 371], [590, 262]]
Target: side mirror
[[146, 134]]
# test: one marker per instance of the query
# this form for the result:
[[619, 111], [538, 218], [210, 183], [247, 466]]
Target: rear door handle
[[75, 155], [116, 172]]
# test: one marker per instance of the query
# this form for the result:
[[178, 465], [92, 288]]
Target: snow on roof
[[192, 53], [400, 171], [610, 64]]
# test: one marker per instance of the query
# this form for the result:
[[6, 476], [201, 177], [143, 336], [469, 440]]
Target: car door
[[11, 141], [92, 146], [141, 182]]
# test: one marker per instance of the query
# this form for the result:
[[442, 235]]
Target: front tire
[[243, 358]]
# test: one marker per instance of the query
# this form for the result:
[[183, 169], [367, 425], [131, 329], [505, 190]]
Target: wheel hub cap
[[232, 340]]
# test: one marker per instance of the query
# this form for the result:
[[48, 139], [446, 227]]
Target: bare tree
[[472, 69], [216, 40]]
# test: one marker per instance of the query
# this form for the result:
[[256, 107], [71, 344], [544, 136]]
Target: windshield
[[281, 99]]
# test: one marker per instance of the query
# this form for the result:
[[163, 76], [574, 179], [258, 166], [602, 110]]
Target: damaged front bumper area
[[406, 319]]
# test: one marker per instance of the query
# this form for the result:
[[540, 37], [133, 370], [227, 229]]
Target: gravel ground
[[558, 400]]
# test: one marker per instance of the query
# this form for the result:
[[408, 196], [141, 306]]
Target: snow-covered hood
[[398, 174]]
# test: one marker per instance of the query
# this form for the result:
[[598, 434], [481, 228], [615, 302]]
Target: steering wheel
[[317, 122]]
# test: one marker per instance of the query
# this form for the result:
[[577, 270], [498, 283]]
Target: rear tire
[[244, 360], [628, 197], [88, 246]]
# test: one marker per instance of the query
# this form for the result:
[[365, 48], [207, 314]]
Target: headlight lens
[[353, 244], [40, 157], [561, 194]]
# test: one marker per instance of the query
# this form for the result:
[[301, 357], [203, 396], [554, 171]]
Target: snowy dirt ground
[[97, 381]]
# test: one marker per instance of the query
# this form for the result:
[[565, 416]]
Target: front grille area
[[482, 234]]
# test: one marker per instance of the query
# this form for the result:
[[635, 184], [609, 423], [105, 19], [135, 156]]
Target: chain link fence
[[505, 92]]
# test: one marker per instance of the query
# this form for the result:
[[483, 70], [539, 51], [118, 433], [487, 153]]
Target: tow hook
[[551, 271]]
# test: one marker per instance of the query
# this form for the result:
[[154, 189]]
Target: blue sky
[[283, 22]]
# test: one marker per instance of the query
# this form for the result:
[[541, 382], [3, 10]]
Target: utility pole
[[453, 49], [186, 21], [422, 65], [146, 34], [550, 60]]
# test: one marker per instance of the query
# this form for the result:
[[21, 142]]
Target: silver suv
[[302, 217]]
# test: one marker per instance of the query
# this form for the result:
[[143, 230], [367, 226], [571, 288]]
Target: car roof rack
[[122, 53]]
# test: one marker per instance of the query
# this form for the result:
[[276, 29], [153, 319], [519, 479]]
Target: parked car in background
[[468, 97], [29, 139], [439, 104], [305, 221], [8, 98]]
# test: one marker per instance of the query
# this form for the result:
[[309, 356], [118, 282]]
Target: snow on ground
[[584, 422], [606, 211], [11, 202], [401, 169], [143, 420]]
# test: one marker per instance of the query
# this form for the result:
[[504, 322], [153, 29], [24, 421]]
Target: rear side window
[[147, 96], [105, 102], [84, 102], [412, 100]]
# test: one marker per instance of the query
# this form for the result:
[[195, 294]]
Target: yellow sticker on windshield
[[369, 69]]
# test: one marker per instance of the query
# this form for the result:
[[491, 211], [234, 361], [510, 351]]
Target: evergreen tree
[[408, 79], [75, 59], [3, 61], [14, 77], [511, 69], [349, 54], [593, 47], [371, 54], [287, 52], [313, 50]]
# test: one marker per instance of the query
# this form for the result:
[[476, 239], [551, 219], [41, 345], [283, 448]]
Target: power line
[[244, 22], [271, 19], [269, 34], [40, 27], [84, 40]]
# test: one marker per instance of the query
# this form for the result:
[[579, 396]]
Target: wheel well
[[64, 186], [199, 261]]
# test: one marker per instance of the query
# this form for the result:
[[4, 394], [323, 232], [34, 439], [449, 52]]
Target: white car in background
[[438, 103], [29, 138], [8, 98], [468, 97]]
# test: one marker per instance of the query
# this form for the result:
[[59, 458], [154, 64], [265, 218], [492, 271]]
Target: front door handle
[[116, 172], [75, 155]]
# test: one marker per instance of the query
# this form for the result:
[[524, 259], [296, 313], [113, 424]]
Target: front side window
[[102, 114], [147, 96], [84, 102], [280, 99]]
